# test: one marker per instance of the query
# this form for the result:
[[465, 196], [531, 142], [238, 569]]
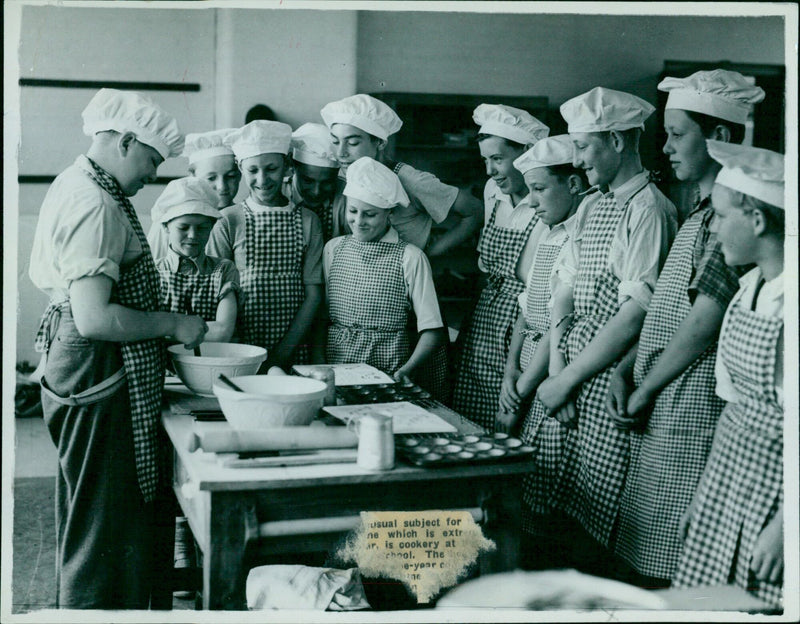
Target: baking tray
[[381, 393], [448, 449]]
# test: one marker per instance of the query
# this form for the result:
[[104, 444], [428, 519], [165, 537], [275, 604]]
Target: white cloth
[[81, 233], [542, 233], [770, 303], [304, 587], [640, 244], [364, 112], [375, 184], [750, 170], [719, 93], [311, 145], [128, 111], [601, 109], [418, 278], [202, 145], [260, 137], [548, 152], [510, 217], [185, 196], [510, 123]]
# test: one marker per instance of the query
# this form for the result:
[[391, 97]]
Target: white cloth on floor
[[304, 587]]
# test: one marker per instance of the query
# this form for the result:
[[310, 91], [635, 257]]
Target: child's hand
[[189, 330], [554, 392], [567, 415], [640, 406], [510, 399], [505, 421], [686, 519], [402, 374], [767, 561]]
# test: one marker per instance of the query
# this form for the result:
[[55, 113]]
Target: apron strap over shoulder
[[99, 392]]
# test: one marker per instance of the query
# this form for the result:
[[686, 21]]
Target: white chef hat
[[375, 184], [185, 196], [202, 145], [260, 137], [311, 144], [548, 152], [364, 112], [750, 170], [719, 93], [510, 123], [604, 109], [129, 111]]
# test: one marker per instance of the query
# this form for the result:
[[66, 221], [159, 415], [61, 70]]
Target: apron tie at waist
[[502, 284], [533, 334], [105, 389], [349, 330], [44, 332]]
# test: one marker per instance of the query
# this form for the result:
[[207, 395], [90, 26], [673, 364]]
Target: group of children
[[595, 337]]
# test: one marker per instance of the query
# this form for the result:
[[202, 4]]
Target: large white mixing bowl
[[270, 401], [231, 359]]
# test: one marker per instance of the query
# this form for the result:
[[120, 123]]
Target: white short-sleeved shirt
[[770, 303], [510, 217], [82, 232], [641, 240], [542, 233], [228, 238], [417, 274]]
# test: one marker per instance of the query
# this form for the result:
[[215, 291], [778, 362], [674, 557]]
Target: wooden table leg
[[224, 573]]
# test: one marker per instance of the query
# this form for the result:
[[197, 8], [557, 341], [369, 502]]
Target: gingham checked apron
[[743, 484], [485, 340], [668, 458], [145, 360], [537, 321], [203, 291], [272, 280], [595, 455], [368, 304]]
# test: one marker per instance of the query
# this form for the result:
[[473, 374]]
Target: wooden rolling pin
[[279, 439]]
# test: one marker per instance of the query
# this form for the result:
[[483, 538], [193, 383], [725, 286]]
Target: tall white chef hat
[[311, 144], [720, 93], [604, 109], [375, 184], [364, 112], [185, 196], [750, 170], [129, 111], [548, 152], [510, 123], [202, 145], [260, 137]]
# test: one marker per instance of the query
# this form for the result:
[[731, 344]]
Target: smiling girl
[[276, 245], [373, 279]]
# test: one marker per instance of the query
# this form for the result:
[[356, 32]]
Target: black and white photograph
[[397, 311]]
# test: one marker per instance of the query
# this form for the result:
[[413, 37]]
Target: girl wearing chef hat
[[210, 160], [373, 278], [673, 409], [505, 253], [275, 244], [187, 211], [734, 526]]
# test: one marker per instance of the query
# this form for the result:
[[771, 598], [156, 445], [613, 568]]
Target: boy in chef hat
[[504, 252], [315, 177], [104, 367], [663, 390], [373, 278], [275, 244], [361, 125], [187, 211], [606, 277], [733, 527], [210, 160]]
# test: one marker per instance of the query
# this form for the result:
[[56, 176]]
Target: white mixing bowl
[[270, 401], [231, 359]]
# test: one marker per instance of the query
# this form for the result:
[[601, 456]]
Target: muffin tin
[[382, 393], [447, 449]]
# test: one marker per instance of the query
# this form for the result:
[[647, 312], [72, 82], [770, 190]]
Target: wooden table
[[230, 509]]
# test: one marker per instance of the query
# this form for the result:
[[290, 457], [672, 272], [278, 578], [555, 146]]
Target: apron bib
[[486, 337], [272, 280], [678, 436], [201, 289], [742, 486], [368, 303]]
